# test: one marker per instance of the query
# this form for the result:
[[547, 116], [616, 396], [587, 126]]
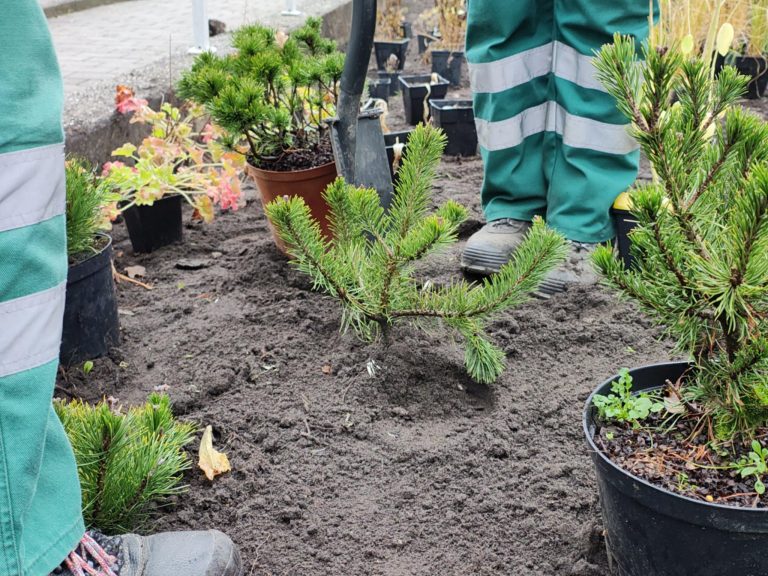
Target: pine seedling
[[86, 197], [369, 264], [128, 464], [701, 246]]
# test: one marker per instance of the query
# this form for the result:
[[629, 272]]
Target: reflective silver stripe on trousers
[[566, 63], [30, 330], [31, 186], [577, 131]]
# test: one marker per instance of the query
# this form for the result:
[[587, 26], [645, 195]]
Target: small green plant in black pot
[[90, 311], [701, 271]]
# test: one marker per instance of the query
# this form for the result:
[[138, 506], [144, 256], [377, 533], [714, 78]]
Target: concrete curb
[[93, 129]]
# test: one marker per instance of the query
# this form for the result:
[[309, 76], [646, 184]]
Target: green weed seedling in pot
[[623, 406], [755, 465]]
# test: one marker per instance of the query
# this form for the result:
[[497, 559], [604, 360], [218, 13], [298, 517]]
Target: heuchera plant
[[175, 158]]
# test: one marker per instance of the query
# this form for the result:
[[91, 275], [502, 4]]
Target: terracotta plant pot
[[308, 184]]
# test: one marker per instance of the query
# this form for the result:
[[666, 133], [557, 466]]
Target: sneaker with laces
[[203, 553], [489, 248]]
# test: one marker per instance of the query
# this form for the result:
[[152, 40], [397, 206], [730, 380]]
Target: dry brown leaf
[[326, 369], [135, 271], [210, 461]]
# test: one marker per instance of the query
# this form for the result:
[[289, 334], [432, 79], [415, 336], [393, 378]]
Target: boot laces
[[508, 223], [90, 559]]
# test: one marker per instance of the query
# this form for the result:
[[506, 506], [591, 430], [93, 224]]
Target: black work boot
[[208, 553], [489, 248]]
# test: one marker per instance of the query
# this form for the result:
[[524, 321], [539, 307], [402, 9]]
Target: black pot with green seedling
[[681, 449], [91, 324]]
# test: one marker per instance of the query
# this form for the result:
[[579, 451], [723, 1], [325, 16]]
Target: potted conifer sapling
[[273, 96], [368, 265], [91, 325], [680, 448]]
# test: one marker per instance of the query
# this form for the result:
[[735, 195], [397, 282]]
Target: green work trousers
[[40, 510], [551, 138]]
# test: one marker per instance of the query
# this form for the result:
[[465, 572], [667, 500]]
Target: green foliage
[[128, 463], [623, 406], [275, 91], [86, 199], [369, 265], [754, 465], [702, 242]]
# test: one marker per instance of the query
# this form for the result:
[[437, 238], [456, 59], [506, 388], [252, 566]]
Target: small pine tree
[[701, 245], [275, 91], [369, 264], [86, 198], [127, 463]]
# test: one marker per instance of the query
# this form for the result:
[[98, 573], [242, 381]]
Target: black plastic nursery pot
[[380, 88], [155, 226], [418, 88], [390, 139], [407, 29], [384, 50], [624, 222], [91, 325], [394, 80], [651, 531], [457, 120], [756, 67], [448, 64], [423, 41]]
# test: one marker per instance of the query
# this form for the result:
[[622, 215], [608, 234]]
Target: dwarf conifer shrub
[[369, 264], [87, 197], [274, 91], [702, 242], [128, 463]]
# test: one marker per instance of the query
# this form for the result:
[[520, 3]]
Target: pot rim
[[595, 450], [282, 175], [444, 103], [81, 269], [400, 41], [409, 80]]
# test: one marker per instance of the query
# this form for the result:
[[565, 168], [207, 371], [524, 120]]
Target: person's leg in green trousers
[[551, 138], [41, 524], [40, 516]]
